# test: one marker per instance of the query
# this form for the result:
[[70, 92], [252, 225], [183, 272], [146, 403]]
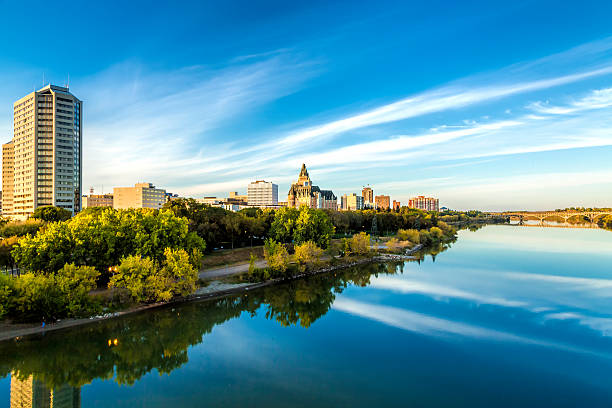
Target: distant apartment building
[[97, 200], [212, 201], [302, 192], [368, 195], [142, 195], [47, 152], [424, 203], [262, 193], [8, 178], [352, 202], [396, 205], [383, 202], [240, 199]]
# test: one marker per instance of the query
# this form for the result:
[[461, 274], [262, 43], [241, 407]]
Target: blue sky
[[485, 105]]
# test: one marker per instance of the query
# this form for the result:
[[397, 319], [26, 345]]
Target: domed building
[[303, 192]]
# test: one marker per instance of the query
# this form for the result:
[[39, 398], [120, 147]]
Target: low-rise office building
[[262, 194], [142, 195], [97, 200]]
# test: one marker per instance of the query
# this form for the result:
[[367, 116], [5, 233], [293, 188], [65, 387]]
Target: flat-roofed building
[[382, 202], [97, 200], [396, 205], [352, 202], [424, 203], [142, 195], [8, 178], [262, 193], [234, 197], [47, 143], [368, 196], [212, 201]]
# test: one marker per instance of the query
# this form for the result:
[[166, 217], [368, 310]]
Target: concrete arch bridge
[[591, 216]]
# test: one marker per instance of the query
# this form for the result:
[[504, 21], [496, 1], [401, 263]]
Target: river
[[508, 316]]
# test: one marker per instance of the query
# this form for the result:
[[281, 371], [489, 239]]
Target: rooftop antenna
[[43, 79], [68, 83]]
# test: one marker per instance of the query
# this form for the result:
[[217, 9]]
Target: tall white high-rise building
[[47, 148], [262, 194]]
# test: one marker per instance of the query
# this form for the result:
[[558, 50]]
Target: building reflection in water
[[32, 393]]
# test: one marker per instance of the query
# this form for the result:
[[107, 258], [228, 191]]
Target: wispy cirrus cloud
[[161, 123], [596, 99], [181, 123]]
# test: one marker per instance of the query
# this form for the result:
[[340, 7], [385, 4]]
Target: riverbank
[[212, 292]]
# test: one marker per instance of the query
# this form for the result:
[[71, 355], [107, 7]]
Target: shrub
[[307, 253], [178, 275], [252, 260], [131, 275], [146, 281], [21, 228], [360, 243], [75, 283], [425, 238], [276, 255], [411, 235], [346, 246], [436, 233], [7, 290], [37, 297], [32, 297]]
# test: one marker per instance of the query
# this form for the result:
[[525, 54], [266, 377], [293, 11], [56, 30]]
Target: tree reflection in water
[[124, 349]]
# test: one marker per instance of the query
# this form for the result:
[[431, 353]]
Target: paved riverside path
[[228, 270]]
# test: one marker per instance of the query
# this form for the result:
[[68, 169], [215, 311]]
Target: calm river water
[[509, 316]]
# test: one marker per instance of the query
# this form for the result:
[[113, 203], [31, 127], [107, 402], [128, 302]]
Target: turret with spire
[[303, 174]]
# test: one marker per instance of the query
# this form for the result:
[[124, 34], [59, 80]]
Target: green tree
[[283, 226], [7, 261], [102, 238], [313, 225], [51, 214]]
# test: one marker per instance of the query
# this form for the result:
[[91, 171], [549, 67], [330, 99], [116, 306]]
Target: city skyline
[[492, 112]]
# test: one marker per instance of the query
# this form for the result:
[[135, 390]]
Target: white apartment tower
[[262, 194], [47, 146]]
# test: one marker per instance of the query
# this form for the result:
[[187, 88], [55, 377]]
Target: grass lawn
[[231, 256]]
